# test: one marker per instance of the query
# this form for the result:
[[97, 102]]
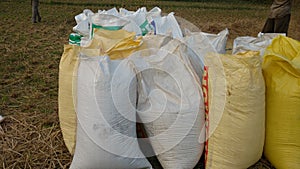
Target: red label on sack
[[206, 104]]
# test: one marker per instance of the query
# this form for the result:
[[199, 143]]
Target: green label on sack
[[111, 28], [144, 27], [75, 39]]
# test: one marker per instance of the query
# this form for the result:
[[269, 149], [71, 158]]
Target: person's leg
[[35, 11], [269, 26], [33, 14], [38, 14], [282, 24]]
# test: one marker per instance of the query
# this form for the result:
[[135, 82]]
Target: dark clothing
[[280, 8], [35, 11], [279, 17], [277, 25]]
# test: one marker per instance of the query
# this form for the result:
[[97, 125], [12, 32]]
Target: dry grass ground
[[30, 136]]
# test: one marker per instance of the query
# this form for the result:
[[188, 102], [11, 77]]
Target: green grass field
[[30, 136]]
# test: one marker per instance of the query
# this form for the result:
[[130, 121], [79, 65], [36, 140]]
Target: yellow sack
[[117, 44], [66, 96], [281, 68], [234, 91]]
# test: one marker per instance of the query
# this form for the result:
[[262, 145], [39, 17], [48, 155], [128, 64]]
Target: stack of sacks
[[141, 22], [130, 65], [102, 83], [69, 60]]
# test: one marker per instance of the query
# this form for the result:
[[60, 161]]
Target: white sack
[[82, 21], [199, 46], [248, 43], [167, 25], [170, 105], [218, 41], [105, 138]]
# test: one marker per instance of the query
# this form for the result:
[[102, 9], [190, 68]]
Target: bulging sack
[[170, 105], [281, 68], [235, 103], [106, 113], [117, 44]]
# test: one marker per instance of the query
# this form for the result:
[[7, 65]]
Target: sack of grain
[[106, 113], [281, 68], [235, 102], [170, 105]]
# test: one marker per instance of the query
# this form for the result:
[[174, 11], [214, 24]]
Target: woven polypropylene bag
[[281, 67], [235, 121], [67, 95], [170, 104], [106, 113]]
